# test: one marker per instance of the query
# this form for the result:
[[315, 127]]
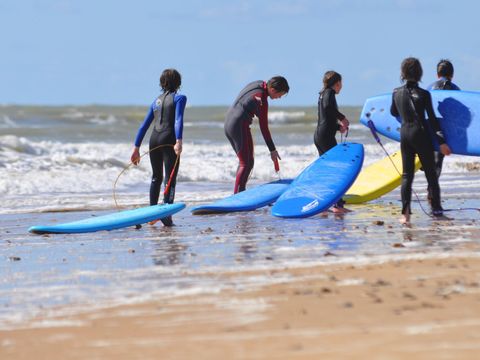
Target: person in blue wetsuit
[[411, 102], [252, 101], [330, 120], [166, 113], [444, 82]]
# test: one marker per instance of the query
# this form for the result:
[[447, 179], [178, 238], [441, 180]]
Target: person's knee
[[157, 179]]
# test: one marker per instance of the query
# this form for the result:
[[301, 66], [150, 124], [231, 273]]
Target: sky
[[78, 52]]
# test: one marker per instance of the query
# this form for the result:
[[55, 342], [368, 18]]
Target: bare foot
[[340, 210], [405, 220], [153, 222]]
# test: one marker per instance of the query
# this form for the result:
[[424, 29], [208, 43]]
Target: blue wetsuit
[[167, 114]]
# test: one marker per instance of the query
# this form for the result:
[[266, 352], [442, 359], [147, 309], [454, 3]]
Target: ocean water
[[60, 164]]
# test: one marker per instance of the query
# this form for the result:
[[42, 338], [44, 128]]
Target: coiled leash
[[167, 187]]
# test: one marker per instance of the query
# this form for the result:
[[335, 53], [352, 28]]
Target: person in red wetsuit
[[252, 101]]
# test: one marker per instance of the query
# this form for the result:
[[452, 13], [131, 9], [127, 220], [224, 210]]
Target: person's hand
[[274, 155], [344, 123], [178, 147], [135, 158], [445, 149]]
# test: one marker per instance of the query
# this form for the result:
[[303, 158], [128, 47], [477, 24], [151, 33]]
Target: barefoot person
[[252, 101], [330, 120], [166, 112], [410, 102]]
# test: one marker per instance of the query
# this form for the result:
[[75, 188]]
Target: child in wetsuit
[[444, 82], [252, 101], [410, 102], [166, 112], [330, 120]]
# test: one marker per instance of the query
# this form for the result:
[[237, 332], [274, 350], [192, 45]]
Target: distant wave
[[6, 122], [285, 116], [109, 120], [54, 167]]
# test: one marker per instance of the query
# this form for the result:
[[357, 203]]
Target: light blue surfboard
[[458, 113], [112, 221], [247, 200], [322, 183]]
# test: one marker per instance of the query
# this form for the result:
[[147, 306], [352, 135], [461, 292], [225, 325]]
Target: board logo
[[310, 206]]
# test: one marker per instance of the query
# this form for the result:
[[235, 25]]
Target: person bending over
[[252, 101]]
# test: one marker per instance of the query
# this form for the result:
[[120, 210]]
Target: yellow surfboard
[[378, 179]]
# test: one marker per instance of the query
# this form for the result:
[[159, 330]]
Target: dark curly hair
[[411, 70], [170, 80], [279, 83], [445, 68]]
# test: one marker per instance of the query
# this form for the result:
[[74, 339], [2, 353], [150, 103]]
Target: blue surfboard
[[322, 183], [247, 200], [458, 113], [112, 221]]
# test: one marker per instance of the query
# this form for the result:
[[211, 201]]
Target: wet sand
[[426, 307]]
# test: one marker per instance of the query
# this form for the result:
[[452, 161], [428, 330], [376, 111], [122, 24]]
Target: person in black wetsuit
[[166, 112], [444, 82], [252, 101], [330, 120], [410, 102], [445, 76]]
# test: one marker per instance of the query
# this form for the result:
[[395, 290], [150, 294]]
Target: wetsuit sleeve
[[432, 119], [262, 114], [145, 125], [180, 102], [393, 108], [331, 108]]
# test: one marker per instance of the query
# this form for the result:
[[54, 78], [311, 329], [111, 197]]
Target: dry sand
[[411, 309]]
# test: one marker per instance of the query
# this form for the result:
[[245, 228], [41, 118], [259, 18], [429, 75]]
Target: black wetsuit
[[327, 126], [252, 101], [410, 102], [441, 84]]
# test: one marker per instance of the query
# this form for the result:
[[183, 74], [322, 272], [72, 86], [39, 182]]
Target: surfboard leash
[[167, 187], [373, 130], [342, 139]]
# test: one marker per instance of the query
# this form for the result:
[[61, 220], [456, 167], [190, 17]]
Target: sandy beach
[[424, 308]]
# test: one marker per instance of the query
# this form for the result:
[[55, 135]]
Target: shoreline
[[426, 308]]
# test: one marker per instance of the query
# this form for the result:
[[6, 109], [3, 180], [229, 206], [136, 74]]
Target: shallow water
[[45, 180]]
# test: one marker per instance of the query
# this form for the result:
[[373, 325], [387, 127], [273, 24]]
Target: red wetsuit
[[252, 101]]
